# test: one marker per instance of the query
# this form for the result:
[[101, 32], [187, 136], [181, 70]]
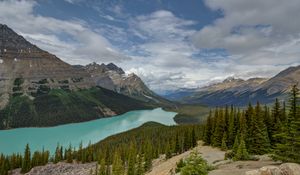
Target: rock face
[[26, 69], [42, 90], [114, 78], [284, 169], [241, 92]]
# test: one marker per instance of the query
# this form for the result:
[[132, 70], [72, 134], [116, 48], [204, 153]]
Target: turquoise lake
[[12, 141]]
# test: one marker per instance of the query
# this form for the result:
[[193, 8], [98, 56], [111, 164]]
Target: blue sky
[[170, 44]]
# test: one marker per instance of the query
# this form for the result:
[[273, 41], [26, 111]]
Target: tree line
[[257, 130], [129, 153]]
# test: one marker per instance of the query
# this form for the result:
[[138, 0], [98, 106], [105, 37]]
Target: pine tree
[[102, 169], [131, 160], [117, 166], [276, 125], [69, 156], [259, 141], [193, 139], [148, 156], [231, 128], [177, 144], [208, 129], [58, 154], [289, 147], [242, 153], [26, 164], [236, 144], [219, 129], [140, 167], [224, 140]]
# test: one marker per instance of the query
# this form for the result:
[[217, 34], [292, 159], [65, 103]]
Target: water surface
[[15, 140]]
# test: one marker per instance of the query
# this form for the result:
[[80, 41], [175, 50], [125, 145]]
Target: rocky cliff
[[26, 69], [39, 89], [114, 78]]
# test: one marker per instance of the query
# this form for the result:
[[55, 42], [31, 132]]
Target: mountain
[[39, 89], [241, 92], [114, 78]]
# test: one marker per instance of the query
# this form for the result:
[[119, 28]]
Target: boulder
[[267, 170], [290, 169], [270, 170], [284, 169]]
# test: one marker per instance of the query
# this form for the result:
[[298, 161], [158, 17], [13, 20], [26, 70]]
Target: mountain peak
[[10, 41], [112, 66], [232, 79]]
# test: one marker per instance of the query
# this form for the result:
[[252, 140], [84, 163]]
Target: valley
[[172, 87]]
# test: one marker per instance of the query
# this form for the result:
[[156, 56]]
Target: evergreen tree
[[236, 144], [26, 164], [289, 147], [102, 169], [117, 166], [131, 160], [231, 128], [69, 156], [193, 139], [208, 129], [140, 167], [242, 153], [224, 140], [219, 129], [259, 141]]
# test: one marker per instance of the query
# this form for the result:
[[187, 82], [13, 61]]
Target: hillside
[[114, 78], [38, 89], [240, 92], [60, 107]]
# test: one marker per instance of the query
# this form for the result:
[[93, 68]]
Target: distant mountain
[[39, 89], [114, 78], [241, 92]]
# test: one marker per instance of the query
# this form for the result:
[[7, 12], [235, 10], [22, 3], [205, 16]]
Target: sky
[[170, 44]]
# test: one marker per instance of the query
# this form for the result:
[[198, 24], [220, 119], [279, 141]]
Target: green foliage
[[117, 165], [288, 148], [56, 106], [255, 129], [242, 153], [26, 164], [193, 165]]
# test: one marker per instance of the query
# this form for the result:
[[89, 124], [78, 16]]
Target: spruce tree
[[242, 153], [208, 129], [131, 160], [26, 164], [231, 128], [117, 165], [259, 142], [224, 140], [219, 129], [289, 147], [102, 169]]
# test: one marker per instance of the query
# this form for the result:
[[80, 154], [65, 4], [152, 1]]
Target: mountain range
[[241, 92], [39, 89]]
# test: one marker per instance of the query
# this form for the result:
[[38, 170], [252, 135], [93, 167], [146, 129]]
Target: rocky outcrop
[[114, 78], [284, 169], [61, 168]]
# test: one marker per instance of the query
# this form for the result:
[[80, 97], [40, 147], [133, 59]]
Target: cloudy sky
[[170, 44]]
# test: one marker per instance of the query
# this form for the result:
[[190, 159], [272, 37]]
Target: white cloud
[[53, 34], [254, 31]]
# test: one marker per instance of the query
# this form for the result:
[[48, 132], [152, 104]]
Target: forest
[[256, 130]]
